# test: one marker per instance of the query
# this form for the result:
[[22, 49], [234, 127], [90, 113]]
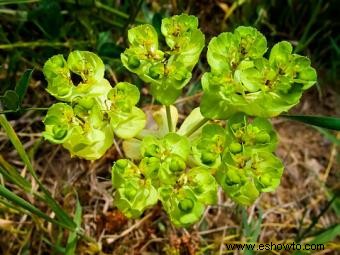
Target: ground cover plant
[[167, 161]]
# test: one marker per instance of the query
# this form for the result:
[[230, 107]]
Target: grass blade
[[12, 175], [23, 83], [60, 213], [73, 237], [15, 199], [329, 136]]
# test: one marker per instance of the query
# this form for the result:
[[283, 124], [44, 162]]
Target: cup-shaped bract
[[242, 80], [203, 184], [126, 119], [80, 130], [167, 70], [244, 176], [164, 159], [87, 65], [59, 122], [134, 194], [244, 133], [208, 147], [181, 205], [97, 110]]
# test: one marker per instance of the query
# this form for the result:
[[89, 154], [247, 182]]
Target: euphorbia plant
[[227, 141]]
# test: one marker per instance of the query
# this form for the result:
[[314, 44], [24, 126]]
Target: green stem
[[68, 44], [196, 127], [26, 109], [168, 116], [105, 7]]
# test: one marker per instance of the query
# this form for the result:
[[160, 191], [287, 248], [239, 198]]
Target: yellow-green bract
[[242, 80], [92, 110], [167, 70]]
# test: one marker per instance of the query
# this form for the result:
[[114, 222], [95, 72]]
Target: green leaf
[[10, 100], [23, 84], [319, 121], [253, 44], [73, 237]]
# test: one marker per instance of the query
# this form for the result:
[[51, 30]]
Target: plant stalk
[[196, 127], [41, 44], [168, 116]]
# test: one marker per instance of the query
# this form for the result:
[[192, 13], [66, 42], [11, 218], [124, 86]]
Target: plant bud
[[235, 148], [133, 62], [262, 137], [186, 205]]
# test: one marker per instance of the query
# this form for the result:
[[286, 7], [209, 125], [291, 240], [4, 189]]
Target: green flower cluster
[[249, 166], [164, 174], [167, 69], [180, 168], [243, 80], [92, 111]]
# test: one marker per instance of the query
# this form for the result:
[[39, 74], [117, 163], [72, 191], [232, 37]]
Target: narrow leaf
[[60, 213], [320, 121], [27, 206], [73, 238], [23, 83]]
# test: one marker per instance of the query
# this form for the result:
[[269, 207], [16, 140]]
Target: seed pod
[[152, 150], [265, 180], [121, 163], [186, 205], [59, 132], [262, 137], [235, 148], [154, 72], [208, 158], [232, 177], [133, 62], [130, 192]]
